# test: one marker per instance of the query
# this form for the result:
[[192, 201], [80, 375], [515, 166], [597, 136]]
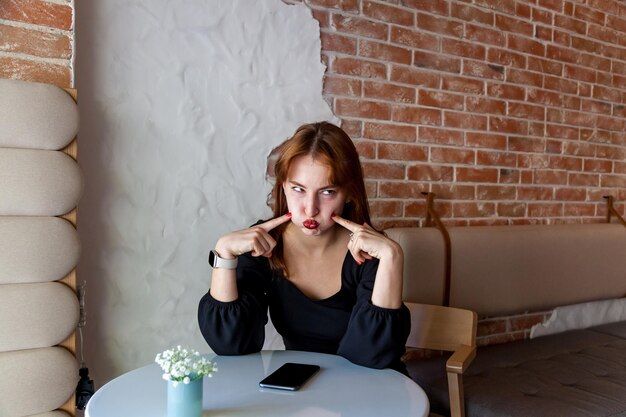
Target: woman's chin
[[311, 232]]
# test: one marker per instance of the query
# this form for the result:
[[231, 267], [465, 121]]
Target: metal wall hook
[[611, 210]]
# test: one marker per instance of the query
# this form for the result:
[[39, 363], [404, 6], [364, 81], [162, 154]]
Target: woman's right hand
[[255, 239]]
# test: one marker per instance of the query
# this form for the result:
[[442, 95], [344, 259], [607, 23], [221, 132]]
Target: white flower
[[184, 365]]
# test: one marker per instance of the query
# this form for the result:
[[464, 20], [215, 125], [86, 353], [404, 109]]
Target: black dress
[[346, 323]]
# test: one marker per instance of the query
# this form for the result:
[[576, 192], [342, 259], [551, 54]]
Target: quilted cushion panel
[[36, 116], [576, 374], [37, 249], [36, 380], [504, 270], [38, 183], [426, 261], [36, 315]]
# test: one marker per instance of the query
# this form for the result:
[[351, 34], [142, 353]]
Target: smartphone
[[290, 376]]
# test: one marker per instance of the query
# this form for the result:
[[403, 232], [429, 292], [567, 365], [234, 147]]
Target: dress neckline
[[346, 259]]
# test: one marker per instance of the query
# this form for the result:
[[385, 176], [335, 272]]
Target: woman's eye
[[297, 189], [329, 192]]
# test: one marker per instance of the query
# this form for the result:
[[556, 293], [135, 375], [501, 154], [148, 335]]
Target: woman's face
[[311, 199]]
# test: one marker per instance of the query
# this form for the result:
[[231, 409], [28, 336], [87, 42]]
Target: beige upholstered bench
[[505, 270], [40, 184]]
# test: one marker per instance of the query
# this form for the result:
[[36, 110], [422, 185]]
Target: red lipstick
[[310, 224]]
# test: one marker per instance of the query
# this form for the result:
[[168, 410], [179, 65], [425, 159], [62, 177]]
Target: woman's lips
[[310, 224]]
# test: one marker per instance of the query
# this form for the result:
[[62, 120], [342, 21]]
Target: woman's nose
[[311, 207]]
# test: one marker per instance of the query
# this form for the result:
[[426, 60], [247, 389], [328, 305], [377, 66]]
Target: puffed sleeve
[[376, 336], [238, 327]]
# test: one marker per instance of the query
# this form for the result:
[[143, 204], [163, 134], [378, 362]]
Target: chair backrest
[[441, 328], [40, 184]]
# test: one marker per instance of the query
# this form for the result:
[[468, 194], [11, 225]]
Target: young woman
[[331, 282]]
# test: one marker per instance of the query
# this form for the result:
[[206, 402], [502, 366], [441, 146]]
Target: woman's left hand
[[367, 243]]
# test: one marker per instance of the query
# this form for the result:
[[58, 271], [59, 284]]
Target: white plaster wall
[[581, 316], [181, 103]]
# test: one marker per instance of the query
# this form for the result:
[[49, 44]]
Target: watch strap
[[217, 262]]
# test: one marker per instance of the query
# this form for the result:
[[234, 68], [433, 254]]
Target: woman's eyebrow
[[302, 186], [292, 182]]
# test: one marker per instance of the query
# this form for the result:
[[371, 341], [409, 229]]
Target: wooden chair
[[448, 329]]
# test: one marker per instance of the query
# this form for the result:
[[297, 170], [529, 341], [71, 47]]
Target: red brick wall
[[495, 330], [510, 111], [36, 40]]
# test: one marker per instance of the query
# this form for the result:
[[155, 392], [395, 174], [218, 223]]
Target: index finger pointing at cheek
[[351, 226], [270, 224]]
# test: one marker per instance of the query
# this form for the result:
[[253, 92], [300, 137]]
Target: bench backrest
[[499, 270]]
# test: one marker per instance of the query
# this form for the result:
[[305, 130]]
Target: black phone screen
[[290, 376]]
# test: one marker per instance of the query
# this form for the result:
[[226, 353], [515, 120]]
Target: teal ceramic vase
[[184, 400]]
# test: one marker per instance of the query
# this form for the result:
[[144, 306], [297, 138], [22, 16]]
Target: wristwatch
[[216, 262]]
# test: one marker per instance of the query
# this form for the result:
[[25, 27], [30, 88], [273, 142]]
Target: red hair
[[331, 146]]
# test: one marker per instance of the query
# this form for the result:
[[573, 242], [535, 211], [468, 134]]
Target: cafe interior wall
[[181, 104]]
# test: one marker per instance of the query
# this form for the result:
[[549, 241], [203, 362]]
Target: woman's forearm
[[387, 292], [224, 285]]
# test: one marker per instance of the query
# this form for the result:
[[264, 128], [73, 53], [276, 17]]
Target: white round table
[[340, 388]]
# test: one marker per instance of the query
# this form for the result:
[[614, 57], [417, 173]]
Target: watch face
[[212, 258], [216, 262]]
